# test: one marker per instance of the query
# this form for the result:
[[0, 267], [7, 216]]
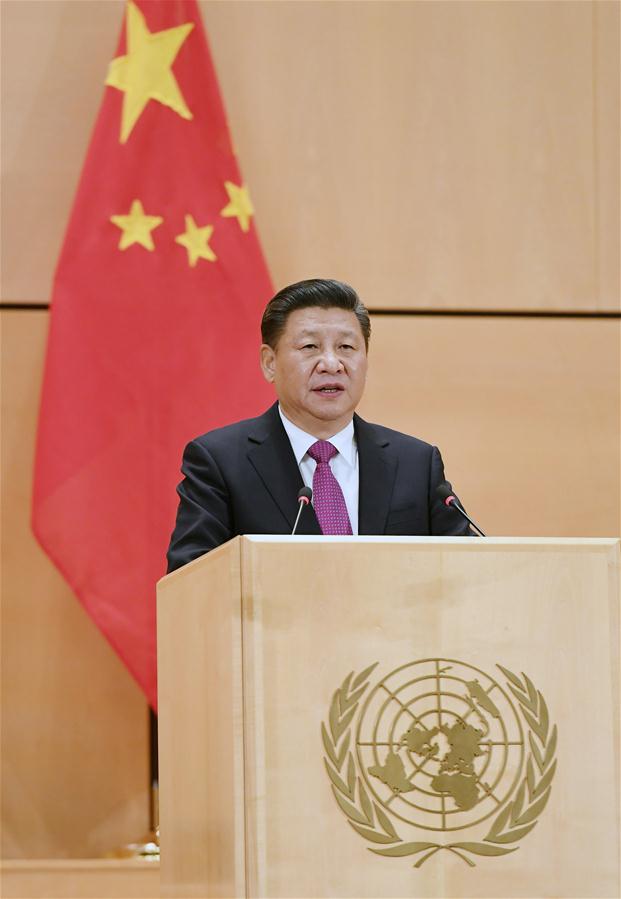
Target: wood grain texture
[[315, 609], [607, 114], [74, 724], [55, 55], [201, 729], [53, 879], [436, 155], [526, 413]]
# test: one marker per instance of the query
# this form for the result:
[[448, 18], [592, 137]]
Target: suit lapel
[[377, 471], [270, 453]]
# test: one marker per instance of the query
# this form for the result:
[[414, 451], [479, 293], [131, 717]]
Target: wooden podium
[[383, 717]]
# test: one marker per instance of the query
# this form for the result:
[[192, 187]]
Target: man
[[366, 479]]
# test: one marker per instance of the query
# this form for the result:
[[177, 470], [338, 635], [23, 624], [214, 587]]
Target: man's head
[[324, 293], [315, 340]]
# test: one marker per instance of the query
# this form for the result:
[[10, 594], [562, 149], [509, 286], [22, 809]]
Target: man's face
[[318, 368]]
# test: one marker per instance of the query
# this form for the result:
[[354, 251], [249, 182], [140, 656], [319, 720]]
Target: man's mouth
[[328, 388]]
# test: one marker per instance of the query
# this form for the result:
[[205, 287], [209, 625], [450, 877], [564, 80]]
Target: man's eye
[[346, 346], [309, 346]]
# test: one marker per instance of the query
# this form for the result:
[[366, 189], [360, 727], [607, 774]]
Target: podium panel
[[381, 717]]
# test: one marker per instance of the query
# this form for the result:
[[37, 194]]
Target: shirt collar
[[301, 441]]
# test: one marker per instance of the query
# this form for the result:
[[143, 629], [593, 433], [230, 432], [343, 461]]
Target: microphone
[[304, 497], [445, 492]]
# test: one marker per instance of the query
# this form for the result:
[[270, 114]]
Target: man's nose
[[330, 362]]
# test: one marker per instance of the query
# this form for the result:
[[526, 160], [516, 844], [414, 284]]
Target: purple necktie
[[328, 499]]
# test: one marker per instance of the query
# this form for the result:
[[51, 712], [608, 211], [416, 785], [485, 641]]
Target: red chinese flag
[[154, 327]]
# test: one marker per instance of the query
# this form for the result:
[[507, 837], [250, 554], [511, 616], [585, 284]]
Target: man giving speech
[[365, 478]]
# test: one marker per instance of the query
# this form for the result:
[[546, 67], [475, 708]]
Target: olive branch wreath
[[516, 819]]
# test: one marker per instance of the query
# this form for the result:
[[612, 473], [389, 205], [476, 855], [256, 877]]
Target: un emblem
[[440, 746]]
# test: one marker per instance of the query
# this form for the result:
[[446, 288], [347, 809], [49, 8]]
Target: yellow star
[[240, 206], [136, 227], [145, 72], [195, 240]]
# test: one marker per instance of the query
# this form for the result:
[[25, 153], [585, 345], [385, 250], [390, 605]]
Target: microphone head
[[445, 492], [305, 495]]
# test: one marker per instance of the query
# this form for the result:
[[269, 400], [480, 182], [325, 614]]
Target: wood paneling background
[[443, 156], [75, 779], [459, 155], [437, 155], [525, 412]]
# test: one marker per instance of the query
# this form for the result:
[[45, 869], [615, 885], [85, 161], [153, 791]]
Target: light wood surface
[[74, 724], [80, 879], [526, 413], [203, 733], [315, 609], [436, 155]]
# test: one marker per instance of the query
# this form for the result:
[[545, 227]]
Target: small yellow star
[[144, 73], [195, 240], [240, 206], [136, 227]]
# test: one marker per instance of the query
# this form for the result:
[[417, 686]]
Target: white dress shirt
[[344, 464]]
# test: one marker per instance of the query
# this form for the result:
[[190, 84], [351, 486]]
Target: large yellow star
[[136, 227], [195, 240], [145, 72], [239, 206]]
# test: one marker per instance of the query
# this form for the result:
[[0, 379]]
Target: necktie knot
[[322, 451]]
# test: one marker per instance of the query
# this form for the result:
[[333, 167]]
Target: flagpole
[[149, 847], [154, 811]]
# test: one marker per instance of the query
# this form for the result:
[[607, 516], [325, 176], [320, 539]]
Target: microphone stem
[[468, 519], [302, 504]]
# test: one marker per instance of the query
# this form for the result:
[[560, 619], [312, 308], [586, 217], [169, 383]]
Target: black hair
[[323, 292]]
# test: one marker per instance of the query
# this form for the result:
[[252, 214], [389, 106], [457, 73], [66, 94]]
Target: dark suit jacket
[[243, 479]]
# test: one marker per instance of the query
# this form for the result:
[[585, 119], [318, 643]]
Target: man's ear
[[268, 362]]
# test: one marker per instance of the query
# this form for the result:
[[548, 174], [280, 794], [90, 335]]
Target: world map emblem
[[437, 747]]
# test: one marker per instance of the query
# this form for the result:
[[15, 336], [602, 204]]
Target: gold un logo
[[442, 747]]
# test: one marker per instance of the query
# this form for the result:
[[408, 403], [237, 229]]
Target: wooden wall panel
[[525, 412], [444, 155], [607, 111], [55, 55], [435, 154], [80, 879], [74, 724]]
